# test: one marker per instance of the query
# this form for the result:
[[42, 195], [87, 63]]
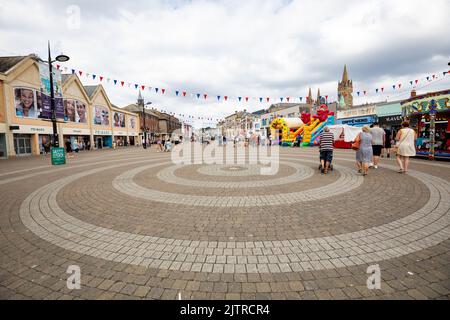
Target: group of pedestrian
[[370, 143], [369, 146], [164, 145]]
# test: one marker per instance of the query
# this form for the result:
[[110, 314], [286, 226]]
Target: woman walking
[[406, 145], [364, 154]]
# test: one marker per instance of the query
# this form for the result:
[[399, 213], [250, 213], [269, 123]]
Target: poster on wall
[[132, 123], [45, 94], [25, 102], [119, 120], [75, 111], [101, 116]]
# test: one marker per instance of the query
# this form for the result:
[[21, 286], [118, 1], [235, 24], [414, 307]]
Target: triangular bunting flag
[[177, 92], [411, 82], [198, 95], [218, 98], [115, 82], [287, 99], [246, 99], [80, 72], [122, 83], [143, 87], [163, 91], [136, 86], [73, 71], [226, 98], [240, 98], [101, 78], [357, 93], [260, 99], [399, 85], [156, 90], [94, 76], [281, 99], [184, 93], [58, 66], [417, 81], [205, 95]]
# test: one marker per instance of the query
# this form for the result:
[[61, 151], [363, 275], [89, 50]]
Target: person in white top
[[406, 144]]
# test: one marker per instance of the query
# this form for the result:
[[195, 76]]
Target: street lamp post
[[59, 58], [141, 102]]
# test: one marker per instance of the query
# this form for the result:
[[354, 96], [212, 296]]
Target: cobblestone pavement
[[140, 227]]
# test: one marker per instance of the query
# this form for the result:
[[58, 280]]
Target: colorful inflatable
[[288, 129]]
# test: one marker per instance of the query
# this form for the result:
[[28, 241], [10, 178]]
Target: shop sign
[[102, 132], [360, 112], [357, 121], [27, 129], [120, 133], [72, 131], [392, 119], [58, 156]]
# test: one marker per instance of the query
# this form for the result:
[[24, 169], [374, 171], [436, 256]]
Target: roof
[[7, 63], [90, 90], [137, 109], [65, 77]]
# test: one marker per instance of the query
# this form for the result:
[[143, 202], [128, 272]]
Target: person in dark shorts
[[326, 149], [387, 143], [378, 141]]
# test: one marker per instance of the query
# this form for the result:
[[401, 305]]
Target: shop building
[[357, 117], [85, 114], [429, 115]]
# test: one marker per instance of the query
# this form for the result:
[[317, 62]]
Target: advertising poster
[[101, 116], [75, 111], [132, 123], [119, 120], [45, 94], [25, 102]]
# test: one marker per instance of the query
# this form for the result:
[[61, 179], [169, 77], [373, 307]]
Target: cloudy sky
[[252, 48]]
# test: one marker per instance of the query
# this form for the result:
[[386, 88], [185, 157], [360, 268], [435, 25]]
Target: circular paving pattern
[[347, 182], [302, 172], [426, 227]]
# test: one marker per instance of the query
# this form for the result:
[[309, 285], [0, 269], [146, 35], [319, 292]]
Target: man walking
[[378, 142], [326, 149]]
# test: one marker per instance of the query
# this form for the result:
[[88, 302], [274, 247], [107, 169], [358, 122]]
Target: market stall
[[429, 115]]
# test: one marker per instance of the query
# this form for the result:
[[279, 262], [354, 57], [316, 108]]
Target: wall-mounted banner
[[45, 95]]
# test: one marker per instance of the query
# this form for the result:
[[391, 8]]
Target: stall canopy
[[350, 133]]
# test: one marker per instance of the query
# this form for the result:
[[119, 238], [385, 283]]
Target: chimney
[[413, 93]]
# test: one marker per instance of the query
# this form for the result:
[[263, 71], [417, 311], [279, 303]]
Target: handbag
[[397, 145], [356, 145]]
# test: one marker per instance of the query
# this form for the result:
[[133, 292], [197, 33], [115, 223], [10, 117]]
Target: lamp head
[[62, 58]]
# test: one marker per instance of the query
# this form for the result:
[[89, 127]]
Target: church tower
[[319, 98], [310, 101], [345, 90]]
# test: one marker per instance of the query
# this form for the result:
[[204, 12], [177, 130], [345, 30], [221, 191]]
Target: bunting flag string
[[395, 87]]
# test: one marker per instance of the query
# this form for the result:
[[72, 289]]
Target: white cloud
[[237, 48]]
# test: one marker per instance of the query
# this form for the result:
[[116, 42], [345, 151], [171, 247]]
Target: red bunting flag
[[246, 99], [365, 92], [267, 99], [101, 78], [287, 99], [205, 95], [382, 89], [184, 93], [163, 91], [417, 81], [122, 83], [226, 98], [326, 97], [434, 76], [143, 88], [58, 66], [80, 72]]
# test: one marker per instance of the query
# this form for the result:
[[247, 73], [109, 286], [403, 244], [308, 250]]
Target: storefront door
[[3, 146], [22, 144]]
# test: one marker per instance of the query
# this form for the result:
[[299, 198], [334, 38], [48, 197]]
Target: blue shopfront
[[103, 139], [358, 121]]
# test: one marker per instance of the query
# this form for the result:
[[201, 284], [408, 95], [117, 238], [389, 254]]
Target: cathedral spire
[[345, 75], [310, 99], [318, 97]]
